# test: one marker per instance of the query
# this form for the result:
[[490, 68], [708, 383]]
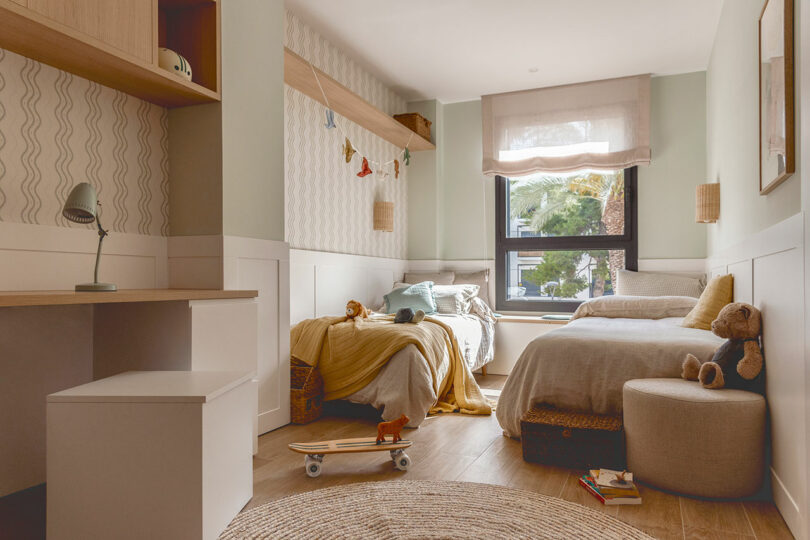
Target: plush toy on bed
[[356, 309], [738, 361], [406, 315]]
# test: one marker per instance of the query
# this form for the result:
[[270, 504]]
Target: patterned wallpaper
[[57, 129], [328, 208]]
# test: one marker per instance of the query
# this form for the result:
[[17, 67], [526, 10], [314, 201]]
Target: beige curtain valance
[[599, 125]]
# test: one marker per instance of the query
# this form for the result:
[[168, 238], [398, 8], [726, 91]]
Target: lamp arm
[[101, 234]]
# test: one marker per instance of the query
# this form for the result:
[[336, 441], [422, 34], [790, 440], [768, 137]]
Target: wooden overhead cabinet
[[115, 43]]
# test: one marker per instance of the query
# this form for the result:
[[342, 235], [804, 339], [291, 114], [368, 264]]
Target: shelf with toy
[[299, 74]]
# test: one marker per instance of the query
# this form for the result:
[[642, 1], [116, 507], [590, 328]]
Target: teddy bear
[[738, 362], [356, 309]]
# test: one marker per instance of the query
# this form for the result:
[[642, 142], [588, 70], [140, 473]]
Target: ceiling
[[458, 50]]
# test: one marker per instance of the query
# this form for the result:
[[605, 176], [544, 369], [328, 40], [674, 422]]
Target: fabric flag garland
[[349, 150], [330, 119], [365, 171]]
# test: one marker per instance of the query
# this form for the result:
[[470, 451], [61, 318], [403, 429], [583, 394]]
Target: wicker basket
[[415, 122], [383, 216], [306, 394], [572, 439]]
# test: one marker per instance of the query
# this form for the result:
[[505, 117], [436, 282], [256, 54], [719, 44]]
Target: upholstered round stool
[[685, 438]]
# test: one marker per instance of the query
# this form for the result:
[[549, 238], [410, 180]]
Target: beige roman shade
[[599, 125]]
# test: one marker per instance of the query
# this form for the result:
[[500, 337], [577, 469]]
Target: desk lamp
[[81, 207]]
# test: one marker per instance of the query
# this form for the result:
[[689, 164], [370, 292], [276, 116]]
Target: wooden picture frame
[[776, 108]]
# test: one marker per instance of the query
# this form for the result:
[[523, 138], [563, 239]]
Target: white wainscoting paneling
[[232, 262], [768, 272], [41, 257], [321, 282], [264, 265]]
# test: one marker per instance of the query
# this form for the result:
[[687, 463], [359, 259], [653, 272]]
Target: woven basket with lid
[[572, 438]]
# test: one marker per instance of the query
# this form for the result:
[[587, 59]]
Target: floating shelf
[[35, 36], [298, 74]]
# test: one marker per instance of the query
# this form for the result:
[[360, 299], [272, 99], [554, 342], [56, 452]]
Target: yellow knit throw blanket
[[350, 354]]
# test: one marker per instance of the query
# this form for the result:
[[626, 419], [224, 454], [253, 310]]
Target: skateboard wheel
[[403, 462], [313, 466]]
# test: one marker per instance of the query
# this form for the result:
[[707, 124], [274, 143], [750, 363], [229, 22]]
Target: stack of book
[[611, 487]]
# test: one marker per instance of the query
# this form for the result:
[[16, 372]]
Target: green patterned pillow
[[419, 296]]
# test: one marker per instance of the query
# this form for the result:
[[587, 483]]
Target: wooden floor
[[473, 449]]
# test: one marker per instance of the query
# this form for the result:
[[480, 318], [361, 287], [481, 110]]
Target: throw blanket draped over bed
[[350, 354]]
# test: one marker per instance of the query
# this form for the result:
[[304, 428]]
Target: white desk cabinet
[[150, 454]]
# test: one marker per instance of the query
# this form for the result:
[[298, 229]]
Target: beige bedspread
[[584, 364]]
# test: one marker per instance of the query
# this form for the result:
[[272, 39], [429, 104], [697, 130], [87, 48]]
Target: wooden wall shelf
[[298, 74], [31, 34], [65, 298]]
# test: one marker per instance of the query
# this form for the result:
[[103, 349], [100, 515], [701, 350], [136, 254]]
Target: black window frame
[[503, 245]]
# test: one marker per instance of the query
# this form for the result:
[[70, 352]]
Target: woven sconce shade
[[707, 203], [383, 216]]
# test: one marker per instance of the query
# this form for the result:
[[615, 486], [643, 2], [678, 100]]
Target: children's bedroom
[[377, 269]]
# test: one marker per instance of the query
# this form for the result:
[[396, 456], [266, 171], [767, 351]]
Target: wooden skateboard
[[315, 451]]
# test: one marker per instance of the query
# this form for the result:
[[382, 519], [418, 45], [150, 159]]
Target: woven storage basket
[[572, 439], [306, 393], [415, 122], [383, 216]]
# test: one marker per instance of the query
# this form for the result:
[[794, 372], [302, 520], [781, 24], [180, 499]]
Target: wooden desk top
[[62, 298]]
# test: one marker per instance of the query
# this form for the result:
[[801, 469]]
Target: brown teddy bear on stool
[[738, 361]]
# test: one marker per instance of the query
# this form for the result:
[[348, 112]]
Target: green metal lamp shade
[[80, 207]]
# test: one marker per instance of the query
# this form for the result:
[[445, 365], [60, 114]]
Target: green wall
[[226, 160], [424, 196], [666, 187], [464, 219], [732, 83], [253, 119]]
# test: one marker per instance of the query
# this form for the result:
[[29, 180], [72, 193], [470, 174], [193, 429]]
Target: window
[[561, 238]]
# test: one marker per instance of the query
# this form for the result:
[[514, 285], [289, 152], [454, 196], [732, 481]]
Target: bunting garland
[[349, 149]]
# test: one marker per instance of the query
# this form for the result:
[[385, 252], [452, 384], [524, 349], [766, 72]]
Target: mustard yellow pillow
[[717, 294]]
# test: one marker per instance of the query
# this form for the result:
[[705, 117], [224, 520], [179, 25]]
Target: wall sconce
[[383, 216], [707, 203]]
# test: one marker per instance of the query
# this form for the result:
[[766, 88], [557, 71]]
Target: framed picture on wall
[[776, 116]]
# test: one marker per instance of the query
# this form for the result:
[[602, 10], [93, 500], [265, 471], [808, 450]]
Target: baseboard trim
[[787, 505]]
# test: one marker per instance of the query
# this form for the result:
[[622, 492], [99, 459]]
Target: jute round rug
[[425, 509]]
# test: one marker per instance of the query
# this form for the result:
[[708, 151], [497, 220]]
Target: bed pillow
[[636, 307], [438, 278], [476, 278], [451, 299], [719, 293], [418, 296], [631, 283]]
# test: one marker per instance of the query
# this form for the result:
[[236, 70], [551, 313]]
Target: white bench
[[150, 454]]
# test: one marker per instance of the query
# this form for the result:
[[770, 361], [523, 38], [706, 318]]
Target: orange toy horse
[[393, 427]]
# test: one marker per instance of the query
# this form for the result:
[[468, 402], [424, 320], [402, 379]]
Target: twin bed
[[582, 365]]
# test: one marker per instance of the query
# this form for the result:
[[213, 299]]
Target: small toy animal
[[356, 309], [393, 428], [406, 314], [737, 363]]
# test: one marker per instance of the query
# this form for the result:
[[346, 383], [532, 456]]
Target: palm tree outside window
[[561, 238]]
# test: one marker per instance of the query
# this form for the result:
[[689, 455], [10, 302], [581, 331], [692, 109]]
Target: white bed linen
[[404, 384], [584, 364]]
